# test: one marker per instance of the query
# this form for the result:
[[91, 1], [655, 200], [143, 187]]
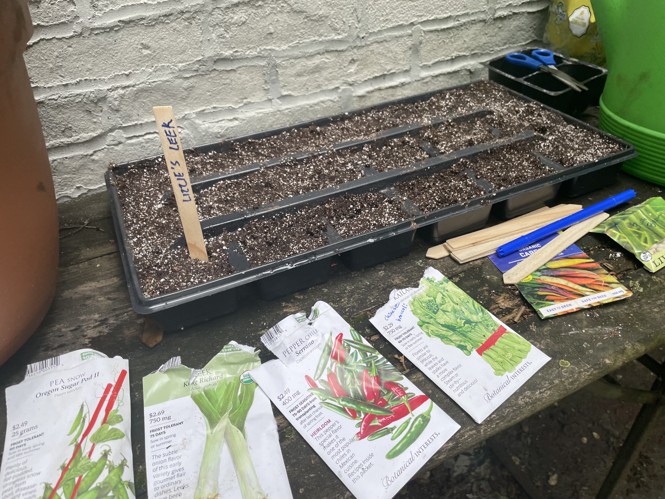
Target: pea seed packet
[[641, 230], [68, 429], [473, 357], [210, 433], [371, 425]]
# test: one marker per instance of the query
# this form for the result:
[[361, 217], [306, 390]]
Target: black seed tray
[[545, 88], [198, 303]]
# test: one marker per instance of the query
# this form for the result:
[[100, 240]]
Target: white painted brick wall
[[232, 67], [260, 27], [351, 65]]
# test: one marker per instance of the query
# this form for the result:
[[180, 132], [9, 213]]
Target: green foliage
[[445, 312], [225, 399]]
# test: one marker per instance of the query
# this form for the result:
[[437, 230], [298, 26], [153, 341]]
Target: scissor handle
[[523, 60], [545, 56]]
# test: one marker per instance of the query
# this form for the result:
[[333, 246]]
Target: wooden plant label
[[182, 189], [551, 249]]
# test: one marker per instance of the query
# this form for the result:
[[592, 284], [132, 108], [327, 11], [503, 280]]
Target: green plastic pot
[[632, 104]]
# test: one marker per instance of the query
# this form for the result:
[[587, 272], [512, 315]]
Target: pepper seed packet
[[472, 356], [371, 425]]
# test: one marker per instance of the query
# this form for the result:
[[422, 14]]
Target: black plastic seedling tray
[[217, 297], [545, 88]]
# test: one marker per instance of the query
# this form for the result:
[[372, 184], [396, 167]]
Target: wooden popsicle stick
[[535, 219], [486, 248], [465, 255], [551, 249], [437, 252], [182, 188]]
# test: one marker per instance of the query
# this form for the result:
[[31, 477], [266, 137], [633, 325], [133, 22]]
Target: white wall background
[[231, 67]]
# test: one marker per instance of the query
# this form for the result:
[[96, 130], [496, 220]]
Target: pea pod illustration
[[112, 479], [91, 476], [416, 429], [77, 421], [48, 492], [120, 492], [68, 487], [90, 494], [76, 436]]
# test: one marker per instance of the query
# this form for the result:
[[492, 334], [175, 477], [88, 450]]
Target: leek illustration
[[224, 397]]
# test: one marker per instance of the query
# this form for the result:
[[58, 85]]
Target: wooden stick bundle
[[483, 242]]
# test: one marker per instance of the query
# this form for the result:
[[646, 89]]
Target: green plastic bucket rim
[[629, 125]]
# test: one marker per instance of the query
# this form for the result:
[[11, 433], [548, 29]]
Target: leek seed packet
[[210, 433], [371, 425], [472, 356], [68, 429]]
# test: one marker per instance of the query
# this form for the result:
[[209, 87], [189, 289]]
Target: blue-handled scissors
[[543, 60]]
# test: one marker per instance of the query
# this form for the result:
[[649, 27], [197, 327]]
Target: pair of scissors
[[543, 60]]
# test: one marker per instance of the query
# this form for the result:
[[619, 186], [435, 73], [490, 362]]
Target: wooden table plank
[[92, 309]]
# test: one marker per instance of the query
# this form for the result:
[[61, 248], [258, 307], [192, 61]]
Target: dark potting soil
[[294, 177], [239, 153], [271, 238], [151, 219], [355, 214], [440, 190], [508, 166]]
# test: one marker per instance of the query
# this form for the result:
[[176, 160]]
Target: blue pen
[[547, 230]]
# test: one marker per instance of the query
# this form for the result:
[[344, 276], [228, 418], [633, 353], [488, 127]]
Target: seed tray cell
[[453, 226], [545, 88], [446, 185]]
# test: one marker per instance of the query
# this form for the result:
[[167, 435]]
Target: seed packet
[[68, 429], [371, 425], [571, 281], [471, 355], [641, 230], [209, 432]]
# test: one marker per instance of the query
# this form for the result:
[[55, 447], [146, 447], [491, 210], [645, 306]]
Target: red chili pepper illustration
[[376, 383], [401, 410], [310, 381], [338, 391], [366, 429], [395, 388], [369, 390], [338, 352]]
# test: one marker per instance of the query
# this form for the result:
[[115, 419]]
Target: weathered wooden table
[[92, 309]]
